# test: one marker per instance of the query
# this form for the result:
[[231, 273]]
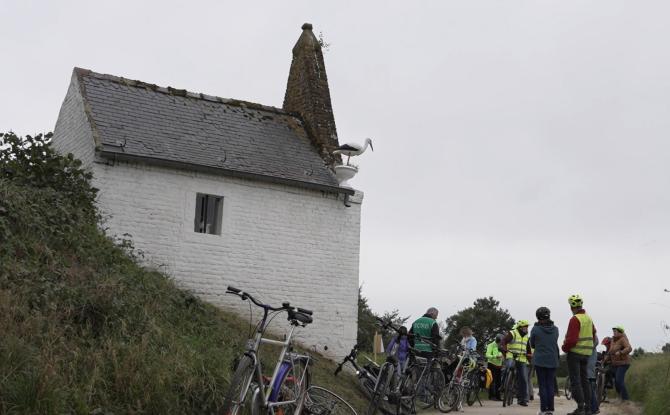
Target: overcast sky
[[522, 147]]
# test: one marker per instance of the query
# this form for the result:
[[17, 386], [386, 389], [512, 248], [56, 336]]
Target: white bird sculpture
[[353, 149]]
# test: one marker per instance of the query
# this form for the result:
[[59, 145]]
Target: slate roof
[[134, 120]]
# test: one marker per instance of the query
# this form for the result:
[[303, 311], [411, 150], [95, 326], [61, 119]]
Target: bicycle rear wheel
[[381, 389], [473, 391], [320, 401], [239, 386]]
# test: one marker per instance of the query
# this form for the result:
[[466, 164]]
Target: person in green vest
[[517, 349], [494, 358], [425, 327], [580, 339]]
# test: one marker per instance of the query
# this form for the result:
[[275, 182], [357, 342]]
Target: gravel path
[[563, 406]]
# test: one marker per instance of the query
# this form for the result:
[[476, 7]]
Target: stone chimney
[[307, 94]]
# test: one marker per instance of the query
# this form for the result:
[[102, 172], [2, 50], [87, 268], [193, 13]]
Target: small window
[[208, 213]]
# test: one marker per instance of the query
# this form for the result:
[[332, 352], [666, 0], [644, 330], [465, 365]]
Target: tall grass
[[648, 381]]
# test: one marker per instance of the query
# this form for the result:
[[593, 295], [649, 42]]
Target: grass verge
[[648, 382]]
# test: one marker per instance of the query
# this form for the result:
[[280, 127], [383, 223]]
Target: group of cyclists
[[524, 351]]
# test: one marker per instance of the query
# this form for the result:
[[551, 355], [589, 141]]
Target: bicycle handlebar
[[351, 358], [296, 313]]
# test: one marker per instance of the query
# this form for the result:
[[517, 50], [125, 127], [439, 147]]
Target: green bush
[[84, 329], [648, 381]]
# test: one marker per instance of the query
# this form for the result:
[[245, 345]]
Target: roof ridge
[[81, 72]]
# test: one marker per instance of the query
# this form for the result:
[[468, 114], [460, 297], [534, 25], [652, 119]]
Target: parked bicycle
[[422, 383], [392, 390], [287, 389], [463, 383], [603, 380], [476, 379], [367, 374]]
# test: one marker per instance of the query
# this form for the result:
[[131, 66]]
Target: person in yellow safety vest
[[494, 358], [515, 345], [580, 339]]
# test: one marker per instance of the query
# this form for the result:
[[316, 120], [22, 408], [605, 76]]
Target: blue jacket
[[469, 343], [403, 347], [544, 339]]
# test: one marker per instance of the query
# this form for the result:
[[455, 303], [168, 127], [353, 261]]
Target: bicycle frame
[[267, 397], [425, 367], [285, 364]]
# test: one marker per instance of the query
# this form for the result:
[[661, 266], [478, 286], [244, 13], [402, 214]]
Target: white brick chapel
[[220, 192]]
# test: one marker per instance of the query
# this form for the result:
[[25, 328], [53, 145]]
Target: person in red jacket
[[580, 340]]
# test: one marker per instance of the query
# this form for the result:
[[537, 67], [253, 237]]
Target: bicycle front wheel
[[320, 401], [473, 391], [568, 389], [381, 389], [510, 388], [239, 386], [600, 387], [449, 398]]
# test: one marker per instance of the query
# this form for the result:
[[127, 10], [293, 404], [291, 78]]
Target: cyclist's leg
[[585, 384], [543, 386], [595, 401], [531, 371], [522, 382], [620, 381], [575, 381], [494, 390]]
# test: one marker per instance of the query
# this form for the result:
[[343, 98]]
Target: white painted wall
[[278, 242], [73, 133]]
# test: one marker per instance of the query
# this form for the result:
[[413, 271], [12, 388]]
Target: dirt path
[[562, 405]]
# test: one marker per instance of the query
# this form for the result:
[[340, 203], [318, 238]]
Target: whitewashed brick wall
[[278, 242], [73, 133]]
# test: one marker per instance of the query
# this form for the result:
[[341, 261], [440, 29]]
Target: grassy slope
[[85, 329], [648, 381]]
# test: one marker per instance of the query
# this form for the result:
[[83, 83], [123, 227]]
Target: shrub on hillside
[[83, 327]]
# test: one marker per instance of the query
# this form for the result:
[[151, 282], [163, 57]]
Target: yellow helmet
[[575, 300], [522, 323], [470, 364]]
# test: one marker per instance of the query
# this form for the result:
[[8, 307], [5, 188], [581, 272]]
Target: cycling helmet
[[522, 323], [575, 300], [543, 313], [619, 328], [469, 364], [606, 341]]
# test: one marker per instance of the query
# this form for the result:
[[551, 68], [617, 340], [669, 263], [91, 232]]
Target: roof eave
[[115, 155]]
